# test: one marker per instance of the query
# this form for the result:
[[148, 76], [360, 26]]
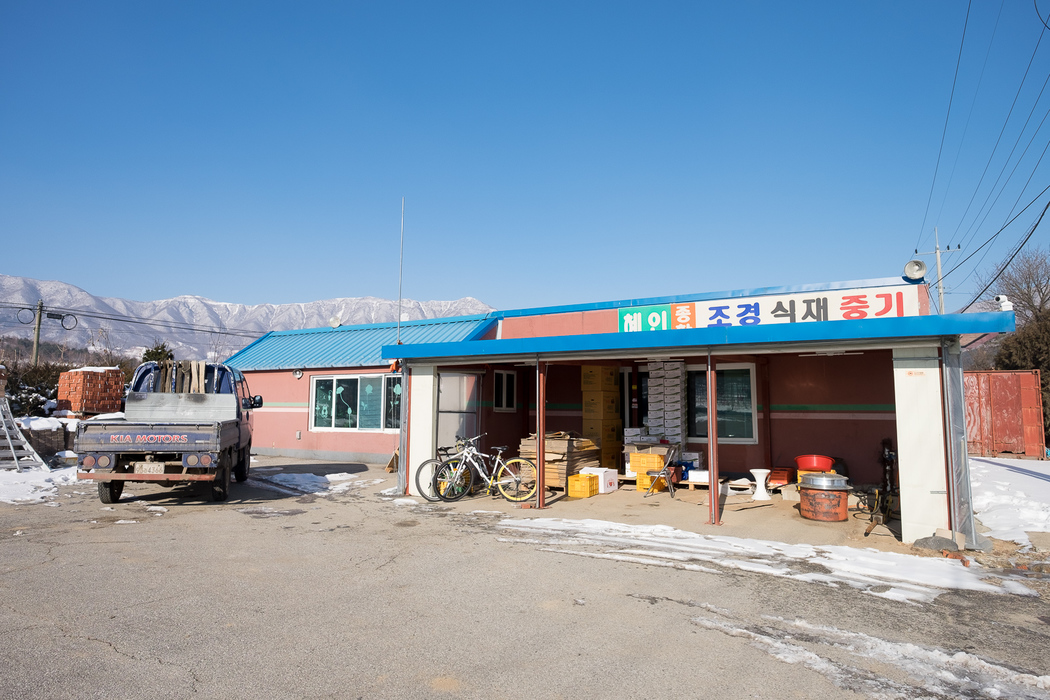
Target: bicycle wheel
[[516, 480], [452, 480], [425, 479]]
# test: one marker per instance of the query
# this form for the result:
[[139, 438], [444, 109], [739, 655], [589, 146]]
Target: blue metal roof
[[911, 327], [351, 346]]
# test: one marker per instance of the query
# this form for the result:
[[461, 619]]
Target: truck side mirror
[[246, 403], [257, 402]]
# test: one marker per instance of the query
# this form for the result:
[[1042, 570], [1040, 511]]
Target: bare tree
[[1026, 283]]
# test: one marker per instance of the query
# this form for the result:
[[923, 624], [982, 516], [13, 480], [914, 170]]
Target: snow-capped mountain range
[[188, 324]]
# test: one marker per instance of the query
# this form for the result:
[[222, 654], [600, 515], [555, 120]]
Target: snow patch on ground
[[902, 577], [1011, 496], [34, 485]]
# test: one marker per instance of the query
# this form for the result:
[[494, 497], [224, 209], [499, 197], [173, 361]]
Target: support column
[[921, 460], [422, 421]]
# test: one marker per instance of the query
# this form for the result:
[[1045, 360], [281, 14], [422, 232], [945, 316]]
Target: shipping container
[[1004, 413]]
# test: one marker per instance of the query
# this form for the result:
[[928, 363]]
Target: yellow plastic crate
[[583, 485], [642, 462], [644, 480]]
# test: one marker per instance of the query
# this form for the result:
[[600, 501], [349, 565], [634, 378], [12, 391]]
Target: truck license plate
[[149, 468]]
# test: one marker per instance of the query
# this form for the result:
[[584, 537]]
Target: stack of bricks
[[90, 390]]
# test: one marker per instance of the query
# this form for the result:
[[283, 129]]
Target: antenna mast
[[400, 267]]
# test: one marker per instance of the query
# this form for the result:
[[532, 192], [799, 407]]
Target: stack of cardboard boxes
[[667, 398], [601, 411], [91, 390]]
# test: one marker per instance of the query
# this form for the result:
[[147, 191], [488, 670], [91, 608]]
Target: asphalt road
[[271, 595]]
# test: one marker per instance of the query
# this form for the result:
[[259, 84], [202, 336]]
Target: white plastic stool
[[760, 485]]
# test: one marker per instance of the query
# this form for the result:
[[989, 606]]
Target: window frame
[[500, 379], [386, 378], [750, 366]]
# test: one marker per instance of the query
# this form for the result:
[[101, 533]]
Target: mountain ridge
[[194, 326]]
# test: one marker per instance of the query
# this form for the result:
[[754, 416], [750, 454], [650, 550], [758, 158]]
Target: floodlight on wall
[[915, 270], [335, 322], [297, 373]]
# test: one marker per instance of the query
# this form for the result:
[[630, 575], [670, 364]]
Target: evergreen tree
[[158, 353]]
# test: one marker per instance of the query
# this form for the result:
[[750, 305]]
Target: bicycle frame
[[487, 466]]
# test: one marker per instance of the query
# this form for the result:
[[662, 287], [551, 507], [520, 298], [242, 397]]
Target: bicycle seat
[[500, 449]]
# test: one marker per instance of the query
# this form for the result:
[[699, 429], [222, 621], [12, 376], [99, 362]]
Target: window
[[364, 402], [503, 397], [736, 403]]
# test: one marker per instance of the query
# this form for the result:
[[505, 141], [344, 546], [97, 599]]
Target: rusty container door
[[1004, 413], [1032, 413], [978, 414], [1007, 424]]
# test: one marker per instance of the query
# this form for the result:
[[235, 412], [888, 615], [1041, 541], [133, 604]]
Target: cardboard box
[[603, 431], [608, 479], [601, 405], [600, 378], [611, 461]]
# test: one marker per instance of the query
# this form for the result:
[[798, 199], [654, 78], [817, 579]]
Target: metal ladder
[[15, 450]]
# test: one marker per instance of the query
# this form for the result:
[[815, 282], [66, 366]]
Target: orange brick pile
[[91, 390]]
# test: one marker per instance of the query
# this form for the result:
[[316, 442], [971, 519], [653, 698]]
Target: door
[[458, 400]]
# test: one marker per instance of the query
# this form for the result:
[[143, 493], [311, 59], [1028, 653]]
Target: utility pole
[[36, 332], [938, 251]]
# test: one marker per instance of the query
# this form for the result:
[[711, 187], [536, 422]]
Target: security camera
[[1000, 298], [1004, 303]]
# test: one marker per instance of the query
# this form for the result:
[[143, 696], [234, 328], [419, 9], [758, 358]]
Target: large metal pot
[[825, 482]]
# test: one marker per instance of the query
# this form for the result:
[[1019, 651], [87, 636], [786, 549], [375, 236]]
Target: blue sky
[[549, 153]]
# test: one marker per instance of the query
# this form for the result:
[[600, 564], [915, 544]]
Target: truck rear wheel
[[109, 491], [244, 464]]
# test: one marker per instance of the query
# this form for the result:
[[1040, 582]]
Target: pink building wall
[[282, 425]]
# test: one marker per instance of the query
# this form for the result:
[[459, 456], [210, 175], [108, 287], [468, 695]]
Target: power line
[[944, 132], [1006, 264], [159, 323], [995, 147], [994, 235]]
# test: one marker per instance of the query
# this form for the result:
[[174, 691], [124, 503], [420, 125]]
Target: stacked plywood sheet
[[565, 454]]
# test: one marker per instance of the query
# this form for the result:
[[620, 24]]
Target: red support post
[[541, 433], [712, 440]]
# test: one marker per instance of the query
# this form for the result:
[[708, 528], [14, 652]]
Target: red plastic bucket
[[814, 463]]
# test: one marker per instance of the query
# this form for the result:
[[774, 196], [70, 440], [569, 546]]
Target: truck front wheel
[[109, 491]]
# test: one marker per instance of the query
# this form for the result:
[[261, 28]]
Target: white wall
[[422, 414], [920, 442]]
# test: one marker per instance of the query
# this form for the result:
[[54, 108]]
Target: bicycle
[[425, 474], [514, 479], [884, 504]]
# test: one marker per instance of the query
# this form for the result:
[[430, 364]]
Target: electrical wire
[[969, 115], [995, 148], [993, 236], [160, 323], [1006, 264], [944, 132]]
